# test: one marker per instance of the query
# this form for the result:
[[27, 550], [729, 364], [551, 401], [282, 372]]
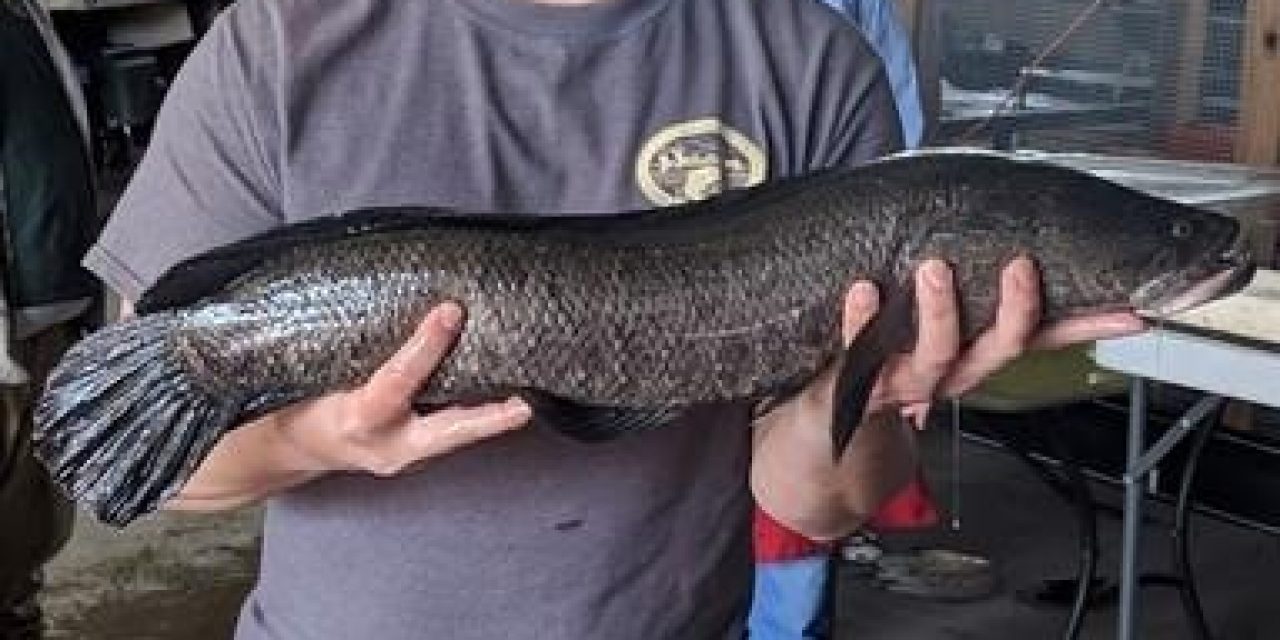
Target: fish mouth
[[1217, 275]]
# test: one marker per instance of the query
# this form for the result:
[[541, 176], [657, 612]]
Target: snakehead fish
[[607, 324]]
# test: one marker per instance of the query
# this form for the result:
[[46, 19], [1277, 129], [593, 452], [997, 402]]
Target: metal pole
[[1132, 510]]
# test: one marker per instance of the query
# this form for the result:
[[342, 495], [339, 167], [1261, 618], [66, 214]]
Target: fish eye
[[1180, 229]]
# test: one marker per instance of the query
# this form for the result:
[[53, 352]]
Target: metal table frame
[[1140, 467], [1245, 372]]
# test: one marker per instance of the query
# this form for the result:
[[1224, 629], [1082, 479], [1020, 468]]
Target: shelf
[[90, 5]]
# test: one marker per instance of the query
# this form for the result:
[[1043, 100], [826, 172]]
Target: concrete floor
[[182, 576], [1011, 518], [169, 577]]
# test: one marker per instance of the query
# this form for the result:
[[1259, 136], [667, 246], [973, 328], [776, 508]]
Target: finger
[[860, 306], [1015, 323], [1087, 329], [400, 377], [451, 429], [938, 340], [917, 413]]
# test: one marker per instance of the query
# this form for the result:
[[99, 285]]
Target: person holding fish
[[386, 521]]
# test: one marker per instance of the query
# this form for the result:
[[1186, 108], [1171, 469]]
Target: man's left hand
[[793, 475], [938, 366]]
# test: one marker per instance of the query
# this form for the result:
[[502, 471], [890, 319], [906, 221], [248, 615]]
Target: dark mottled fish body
[[733, 299]]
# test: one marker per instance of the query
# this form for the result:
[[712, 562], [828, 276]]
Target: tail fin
[[121, 424]]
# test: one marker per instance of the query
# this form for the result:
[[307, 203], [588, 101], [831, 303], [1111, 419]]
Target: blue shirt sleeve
[[879, 23]]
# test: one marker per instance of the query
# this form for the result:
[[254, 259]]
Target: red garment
[[910, 508], [774, 542]]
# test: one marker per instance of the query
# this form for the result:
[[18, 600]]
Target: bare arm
[[794, 478], [371, 428], [793, 475]]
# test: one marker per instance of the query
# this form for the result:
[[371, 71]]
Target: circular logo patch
[[697, 159]]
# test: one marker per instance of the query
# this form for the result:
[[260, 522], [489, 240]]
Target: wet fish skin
[[733, 299], [533, 325], [623, 321]]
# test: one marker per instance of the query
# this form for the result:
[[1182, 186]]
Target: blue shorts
[[789, 601]]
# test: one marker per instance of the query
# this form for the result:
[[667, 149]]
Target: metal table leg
[[1139, 464], [1132, 510]]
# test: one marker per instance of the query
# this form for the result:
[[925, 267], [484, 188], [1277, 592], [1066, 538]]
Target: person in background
[[464, 523], [49, 219], [887, 34], [792, 582]]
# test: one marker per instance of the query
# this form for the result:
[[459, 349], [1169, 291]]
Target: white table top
[[1230, 347], [1252, 314]]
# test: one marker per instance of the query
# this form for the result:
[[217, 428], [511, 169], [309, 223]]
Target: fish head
[[1152, 255], [1185, 256], [1207, 257]]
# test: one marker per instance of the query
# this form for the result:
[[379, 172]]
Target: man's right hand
[[372, 428]]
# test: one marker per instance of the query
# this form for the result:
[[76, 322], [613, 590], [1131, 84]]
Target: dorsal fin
[[204, 275]]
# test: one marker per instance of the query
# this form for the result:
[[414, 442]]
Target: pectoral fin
[[888, 332]]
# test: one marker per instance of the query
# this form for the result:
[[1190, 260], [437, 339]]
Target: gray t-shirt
[[292, 109]]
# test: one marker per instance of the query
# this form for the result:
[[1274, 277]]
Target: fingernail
[[937, 274], [864, 295], [1023, 274], [512, 408], [449, 315], [516, 407]]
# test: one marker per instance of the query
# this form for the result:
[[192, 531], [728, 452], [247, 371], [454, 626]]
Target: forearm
[[798, 482], [247, 465]]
